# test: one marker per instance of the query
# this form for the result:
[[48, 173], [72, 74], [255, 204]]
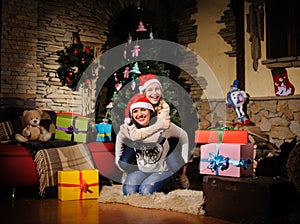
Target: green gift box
[[71, 127]]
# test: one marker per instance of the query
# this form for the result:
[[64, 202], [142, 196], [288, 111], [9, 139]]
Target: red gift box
[[221, 136], [225, 159]]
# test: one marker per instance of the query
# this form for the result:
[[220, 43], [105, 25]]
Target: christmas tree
[[126, 78]]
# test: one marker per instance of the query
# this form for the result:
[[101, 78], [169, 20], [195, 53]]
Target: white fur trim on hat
[[141, 105], [148, 83]]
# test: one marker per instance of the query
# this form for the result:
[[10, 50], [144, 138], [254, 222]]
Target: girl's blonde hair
[[159, 106]]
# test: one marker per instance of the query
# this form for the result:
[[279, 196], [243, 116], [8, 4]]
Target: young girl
[[153, 172], [151, 87]]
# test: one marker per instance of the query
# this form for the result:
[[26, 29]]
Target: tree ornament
[[135, 69], [151, 34], [282, 85], [129, 39], [76, 51], [132, 84], [116, 77], [87, 82], [135, 51], [125, 51], [126, 72], [118, 86], [110, 105], [88, 50], [141, 27], [137, 4]]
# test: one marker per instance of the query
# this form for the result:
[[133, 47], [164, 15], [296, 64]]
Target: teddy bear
[[33, 130]]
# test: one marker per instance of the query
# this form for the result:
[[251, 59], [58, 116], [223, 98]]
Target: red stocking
[[282, 85]]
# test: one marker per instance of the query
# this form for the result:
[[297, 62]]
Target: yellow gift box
[[78, 184]]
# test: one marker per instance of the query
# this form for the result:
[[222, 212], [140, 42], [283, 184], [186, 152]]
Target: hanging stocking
[[282, 85]]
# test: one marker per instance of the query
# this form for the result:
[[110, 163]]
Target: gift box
[[103, 131], [221, 136], [226, 159], [71, 127], [78, 184]]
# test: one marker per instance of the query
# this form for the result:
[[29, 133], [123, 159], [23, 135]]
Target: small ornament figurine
[[132, 84], [135, 69], [110, 105], [129, 39], [125, 51], [118, 86], [126, 72], [135, 51], [236, 99], [151, 37], [141, 27]]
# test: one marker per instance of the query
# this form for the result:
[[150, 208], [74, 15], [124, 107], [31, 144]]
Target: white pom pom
[[127, 120]]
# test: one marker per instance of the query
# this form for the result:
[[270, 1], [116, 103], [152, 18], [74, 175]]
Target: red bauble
[[87, 50], [68, 79], [87, 82], [76, 51], [70, 73]]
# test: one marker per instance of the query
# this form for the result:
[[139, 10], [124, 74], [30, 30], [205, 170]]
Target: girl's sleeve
[[139, 134], [181, 134]]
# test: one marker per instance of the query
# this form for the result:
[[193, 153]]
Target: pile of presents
[[225, 152], [80, 184], [75, 127], [231, 189]]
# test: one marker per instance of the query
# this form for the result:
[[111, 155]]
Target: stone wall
[[33, 31], [19, 48], [274, 119]]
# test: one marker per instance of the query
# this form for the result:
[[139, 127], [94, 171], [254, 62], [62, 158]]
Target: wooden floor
[[43, 211]]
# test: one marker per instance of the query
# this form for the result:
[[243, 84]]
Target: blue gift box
[[103, 132]]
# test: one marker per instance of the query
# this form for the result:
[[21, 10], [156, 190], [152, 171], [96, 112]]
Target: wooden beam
[[238, 10]]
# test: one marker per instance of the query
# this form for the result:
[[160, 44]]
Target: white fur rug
[[186, 201]]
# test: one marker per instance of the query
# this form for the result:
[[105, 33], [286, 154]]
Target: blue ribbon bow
[[217, 161]]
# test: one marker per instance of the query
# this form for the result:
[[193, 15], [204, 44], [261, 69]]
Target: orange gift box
[[221, 136], [78, 184]]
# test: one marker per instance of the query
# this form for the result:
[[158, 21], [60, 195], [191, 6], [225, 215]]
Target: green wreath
[[73, 61]]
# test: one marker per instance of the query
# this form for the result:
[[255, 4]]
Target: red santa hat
[[146, 80], [137, 101]]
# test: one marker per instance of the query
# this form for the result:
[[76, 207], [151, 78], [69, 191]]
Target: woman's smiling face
[[153, 92], [141, 116]]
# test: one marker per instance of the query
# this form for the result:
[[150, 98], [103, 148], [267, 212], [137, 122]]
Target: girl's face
[[141, 116], [153, 92]]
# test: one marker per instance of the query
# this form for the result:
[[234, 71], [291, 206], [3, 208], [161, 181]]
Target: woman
[[153, 173], [151, 87]]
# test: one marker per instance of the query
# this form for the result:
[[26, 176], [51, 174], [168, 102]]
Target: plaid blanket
[[50, 161]]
